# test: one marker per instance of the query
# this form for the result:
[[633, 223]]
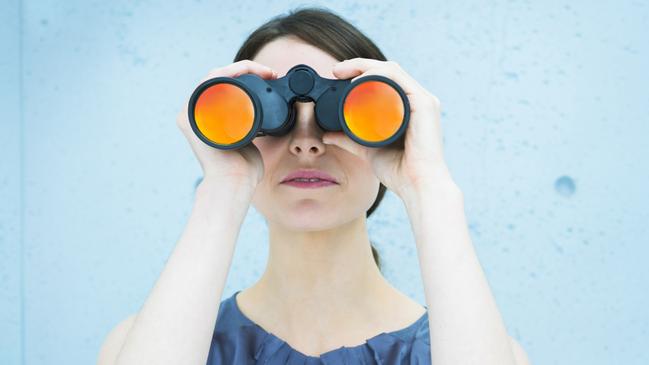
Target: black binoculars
[[227, 113]]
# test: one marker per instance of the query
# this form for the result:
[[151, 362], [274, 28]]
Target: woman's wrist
[[229, 198], [217, 183], [438, 181]]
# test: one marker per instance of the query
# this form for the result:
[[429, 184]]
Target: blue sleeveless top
[[237, 340]]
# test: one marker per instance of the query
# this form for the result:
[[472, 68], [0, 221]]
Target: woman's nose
[[306, 135]]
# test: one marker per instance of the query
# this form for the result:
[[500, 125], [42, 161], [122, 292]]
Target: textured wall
[[10, 188], [545, 121]]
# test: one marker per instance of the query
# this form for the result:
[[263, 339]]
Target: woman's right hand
[[242, 167]]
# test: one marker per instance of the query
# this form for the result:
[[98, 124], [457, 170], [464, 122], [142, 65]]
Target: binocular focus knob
[[301, 82]]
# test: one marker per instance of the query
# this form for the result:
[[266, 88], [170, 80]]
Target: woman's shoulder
[[413, 344], [234, 338], [417, 331], [228, 318]]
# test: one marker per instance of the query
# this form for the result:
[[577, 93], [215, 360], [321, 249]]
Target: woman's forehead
[[285, 52]]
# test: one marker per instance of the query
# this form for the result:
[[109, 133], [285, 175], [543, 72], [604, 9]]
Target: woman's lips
[[309, 184], [304, 174]]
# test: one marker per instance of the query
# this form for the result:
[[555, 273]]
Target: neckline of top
[[396, 333]]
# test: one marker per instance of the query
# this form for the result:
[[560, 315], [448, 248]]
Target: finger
[[361, 67], [407, 83], [247, 66], [242, 67], [353, 67]]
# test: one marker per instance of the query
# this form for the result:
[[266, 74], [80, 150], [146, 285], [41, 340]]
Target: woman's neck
[[324, 273]]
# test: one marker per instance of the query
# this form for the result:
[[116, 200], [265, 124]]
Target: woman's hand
[[242, 167], [420, 161]]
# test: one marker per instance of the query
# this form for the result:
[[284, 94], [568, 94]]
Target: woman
[[322, 298]]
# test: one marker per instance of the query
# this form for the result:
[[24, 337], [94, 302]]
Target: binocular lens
[[373, 111], [224, 113]]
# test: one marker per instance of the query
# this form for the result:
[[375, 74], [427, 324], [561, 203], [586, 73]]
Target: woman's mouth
[[308, 183]]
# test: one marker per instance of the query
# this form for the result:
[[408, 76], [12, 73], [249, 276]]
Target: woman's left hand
[[420, 162]]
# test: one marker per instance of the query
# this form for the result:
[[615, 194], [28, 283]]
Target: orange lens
[[224, 113], [373, 111]]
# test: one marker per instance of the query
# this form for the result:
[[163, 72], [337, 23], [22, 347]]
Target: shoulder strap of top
[[228, 317], [423, 331]]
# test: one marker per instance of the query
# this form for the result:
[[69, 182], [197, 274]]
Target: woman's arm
[[465, 324], [176, 322]]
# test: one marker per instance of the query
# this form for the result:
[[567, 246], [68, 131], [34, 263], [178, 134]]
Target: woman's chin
[[310, 216], [309, 208]]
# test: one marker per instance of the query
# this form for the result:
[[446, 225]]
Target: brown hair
[[326, 30]]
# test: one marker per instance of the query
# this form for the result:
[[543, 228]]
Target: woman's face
[[308, 209]]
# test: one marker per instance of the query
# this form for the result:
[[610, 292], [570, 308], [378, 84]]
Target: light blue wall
[[11, 296], [545, 109]]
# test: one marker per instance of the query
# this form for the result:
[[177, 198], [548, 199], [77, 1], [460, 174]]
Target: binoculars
[[227, 113]]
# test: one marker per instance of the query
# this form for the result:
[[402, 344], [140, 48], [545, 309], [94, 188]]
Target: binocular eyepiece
[[227, 113]]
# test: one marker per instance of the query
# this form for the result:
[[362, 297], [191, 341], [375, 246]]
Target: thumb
[[341, 140]]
